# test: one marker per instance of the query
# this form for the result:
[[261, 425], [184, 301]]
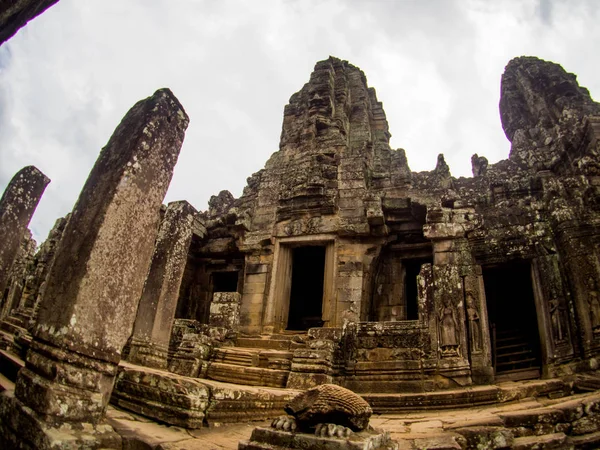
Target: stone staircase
[[17, 322], [255, 361], [516, 359]]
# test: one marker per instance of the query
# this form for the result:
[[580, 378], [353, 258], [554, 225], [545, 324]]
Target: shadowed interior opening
[[513, 320], [306, 297], [225, 281]]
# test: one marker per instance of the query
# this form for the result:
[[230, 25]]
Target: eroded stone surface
[[17, 205], [95, 282], [329, 403], [340, 265], [155, 314]]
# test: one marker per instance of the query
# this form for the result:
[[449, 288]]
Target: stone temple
[[337, 265]]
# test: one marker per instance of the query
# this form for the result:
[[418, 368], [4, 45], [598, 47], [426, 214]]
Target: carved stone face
[[470, 300]]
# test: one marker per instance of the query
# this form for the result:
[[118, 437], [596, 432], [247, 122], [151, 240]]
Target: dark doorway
[[513, 321], [413, 267], [225, 281], [306, 297]]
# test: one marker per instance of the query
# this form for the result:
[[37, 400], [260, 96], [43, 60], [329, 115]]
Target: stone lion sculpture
[[328, 409]]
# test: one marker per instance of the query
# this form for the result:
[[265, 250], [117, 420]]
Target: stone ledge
[[270, 439]]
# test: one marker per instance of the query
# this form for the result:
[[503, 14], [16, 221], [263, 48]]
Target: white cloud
[[67, 78]]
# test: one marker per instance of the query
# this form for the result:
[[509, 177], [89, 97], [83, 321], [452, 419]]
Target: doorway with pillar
[[302, 290]]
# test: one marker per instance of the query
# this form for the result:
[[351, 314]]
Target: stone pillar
[[155, 315], [553, 316], [459, 298], [95, 283], [17, 205], [18, 273], [581, 260]]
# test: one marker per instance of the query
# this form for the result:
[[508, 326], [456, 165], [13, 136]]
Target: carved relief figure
[[594, 304], [448, 330], [474, 323], [557, 318]]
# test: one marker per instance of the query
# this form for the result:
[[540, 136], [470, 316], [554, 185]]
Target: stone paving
[[418, 430]]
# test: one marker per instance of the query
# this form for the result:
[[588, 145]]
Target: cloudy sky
[[68, 77]]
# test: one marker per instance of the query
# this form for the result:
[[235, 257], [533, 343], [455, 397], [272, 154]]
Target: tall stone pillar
[[94, 286], [156, 312], [459, 299], [17, 205]]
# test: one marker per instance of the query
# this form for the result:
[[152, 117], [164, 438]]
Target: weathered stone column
[[152, 329], [95, 283], [459, 299], [17, 205]]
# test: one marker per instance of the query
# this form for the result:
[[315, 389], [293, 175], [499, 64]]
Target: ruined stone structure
[[338, 264], [401, 281], [94, 285]]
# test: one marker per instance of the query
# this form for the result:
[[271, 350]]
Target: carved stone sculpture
[[474, 323], [329, 409], [448, 328], [594, 304]]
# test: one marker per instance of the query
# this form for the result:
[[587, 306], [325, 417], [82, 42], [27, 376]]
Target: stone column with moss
[[152, 329], [94, 286], [17, 205]]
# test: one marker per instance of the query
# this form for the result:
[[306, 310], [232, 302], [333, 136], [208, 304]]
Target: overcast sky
[[70, 75]]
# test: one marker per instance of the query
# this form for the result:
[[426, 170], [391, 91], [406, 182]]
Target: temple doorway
[[306, 295], [513, 321]]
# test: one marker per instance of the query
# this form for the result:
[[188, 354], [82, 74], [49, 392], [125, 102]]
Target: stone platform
[[527, 419], [524, 424]]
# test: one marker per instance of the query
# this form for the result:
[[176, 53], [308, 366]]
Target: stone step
[[587, 382], [459, 398], [267, 358], [16, 320], [23, 315], [516, 364], [276, 342], [528, 373], [587, 441], [531, 417], [514, 355], [251, 376], [558, 441], [6, 384], [263, 438], [510, 347], [10, 365], [467, 397], [10, 327], [6, 340]]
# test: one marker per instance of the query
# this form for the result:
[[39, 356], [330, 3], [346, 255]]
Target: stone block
[[555, 441], [254, 288], [268, 438], [305, 380], [162, 396]]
